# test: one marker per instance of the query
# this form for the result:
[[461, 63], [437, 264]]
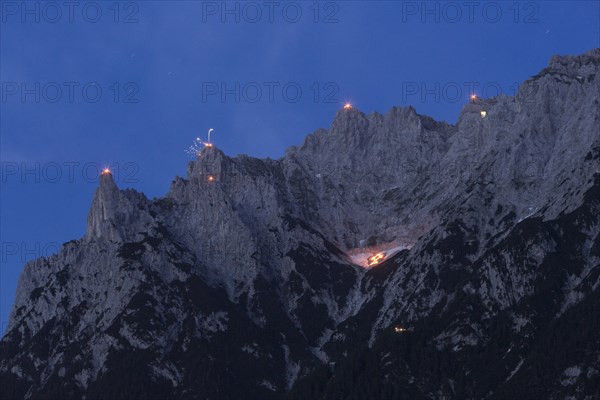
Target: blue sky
[[130, 84]]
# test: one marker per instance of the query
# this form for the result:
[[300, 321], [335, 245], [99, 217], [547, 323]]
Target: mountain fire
[[376, 259], [368, 257]]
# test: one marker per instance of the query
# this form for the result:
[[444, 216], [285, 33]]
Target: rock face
[[240, 284]]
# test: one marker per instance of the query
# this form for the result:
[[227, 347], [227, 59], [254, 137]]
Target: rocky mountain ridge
[[239, 283]]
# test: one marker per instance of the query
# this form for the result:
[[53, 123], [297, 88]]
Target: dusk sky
[[129, 85]]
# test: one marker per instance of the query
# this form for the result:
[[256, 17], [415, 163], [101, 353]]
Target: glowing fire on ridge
[[368, 257], [105, 171], [375, 259]]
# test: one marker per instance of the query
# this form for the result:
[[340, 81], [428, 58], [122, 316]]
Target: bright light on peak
[[347, 106], [105, 171]]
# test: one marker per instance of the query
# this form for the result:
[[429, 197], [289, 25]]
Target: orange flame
[[105, 171], [347, 106], [211, 178], [376, 259]]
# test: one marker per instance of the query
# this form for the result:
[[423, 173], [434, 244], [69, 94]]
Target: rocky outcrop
[[240, 282]]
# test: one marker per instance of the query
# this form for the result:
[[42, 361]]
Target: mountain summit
[[256, 279]]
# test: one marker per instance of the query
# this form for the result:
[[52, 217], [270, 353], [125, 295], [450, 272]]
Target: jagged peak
[[478, 108], [106, 181], [403, 112], [571, 66], [591, 56], [103, 207], [208, 162], [348, 120], [113, 210]]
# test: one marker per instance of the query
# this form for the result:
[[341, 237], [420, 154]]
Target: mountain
[[250, 278]]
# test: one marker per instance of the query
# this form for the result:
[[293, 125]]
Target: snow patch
[[519, 322], [291, 370], [514, 371], [212, 323], [215, 322], [251, 349], [167, 371], [269, 385], [570, 375]]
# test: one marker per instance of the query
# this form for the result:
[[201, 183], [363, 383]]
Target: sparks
[[198, 144], [399, 329], [195, 148], [376, 259]]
